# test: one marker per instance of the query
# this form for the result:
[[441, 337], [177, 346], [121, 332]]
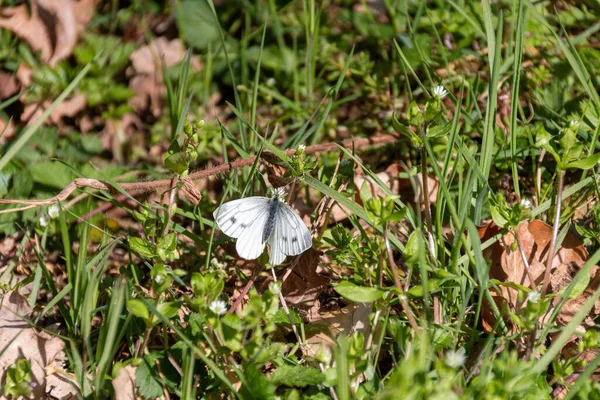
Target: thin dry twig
[[163, 184]]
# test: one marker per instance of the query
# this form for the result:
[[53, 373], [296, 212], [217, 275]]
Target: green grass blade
[[494, 44], [110, 327], [514, 101]]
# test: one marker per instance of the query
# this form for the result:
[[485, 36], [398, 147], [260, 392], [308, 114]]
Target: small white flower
[[43, 221], [456, 358], [574, 123], [301, 147], [275, 287], [526, 203], [534, 296], [201, 122], [439, 92], [54, 211], [159, 279], [271, 81], [218, 307]]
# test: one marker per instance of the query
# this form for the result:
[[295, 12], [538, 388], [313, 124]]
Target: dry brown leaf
[[507, 266], [8, 85], [52, 27], [117, 135], [322, 331], [304, 284], [67, 109], [18, 340], [124, 383], [24, 75], [7, 130], [146, 82]]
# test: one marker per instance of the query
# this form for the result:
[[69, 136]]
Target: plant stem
[[403, 299], [425, 191], [559, 190], [524, 259]]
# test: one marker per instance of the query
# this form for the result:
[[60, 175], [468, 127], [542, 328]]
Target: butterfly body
[[273, 209], [258, 221]]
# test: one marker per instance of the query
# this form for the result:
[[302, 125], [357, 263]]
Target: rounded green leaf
[[138, 308], [359, 294]]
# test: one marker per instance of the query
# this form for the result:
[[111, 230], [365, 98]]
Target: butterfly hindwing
[[290, 236], [235, 217]]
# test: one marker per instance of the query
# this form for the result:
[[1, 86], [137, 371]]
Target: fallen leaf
[[507, 266], [7, 130], [124, 383], [147, 65], [322, 332], [53, 26], [8, 85], [303, 284], [24, 75], [67, 109], [18, 340]]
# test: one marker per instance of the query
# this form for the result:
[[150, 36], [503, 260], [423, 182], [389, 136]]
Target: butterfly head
[[279, 193]]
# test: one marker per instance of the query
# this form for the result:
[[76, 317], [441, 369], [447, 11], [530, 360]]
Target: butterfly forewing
[[237, 216], [250, 243]]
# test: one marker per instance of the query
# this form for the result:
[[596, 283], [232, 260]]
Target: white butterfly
[[256, 221]]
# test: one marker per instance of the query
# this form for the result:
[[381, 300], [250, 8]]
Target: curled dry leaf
[[191, 192], [507, 266], [52, 27], [18, 340]]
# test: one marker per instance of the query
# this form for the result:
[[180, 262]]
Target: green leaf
[[419, 290], [166, 245], [400, 127], [542, 138], [585, 163], [169, 308], [177, 162], [511, 285], [232, 331], [142, 247], [579, 286], [359, 294], [148, 385], [138, 308], [297, 376], [197, 22], [438, 131], [414, 115], [53, 174], [256, 386], [497, 215]]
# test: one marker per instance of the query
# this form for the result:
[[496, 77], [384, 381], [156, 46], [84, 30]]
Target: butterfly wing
[[290, 236], [245, 220], [235, 217]]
